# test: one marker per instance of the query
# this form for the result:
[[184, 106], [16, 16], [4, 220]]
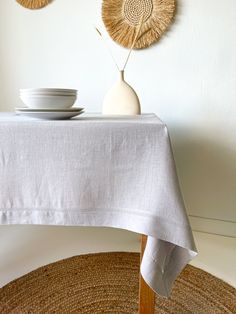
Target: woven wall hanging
[[122, 19], [33, 4]]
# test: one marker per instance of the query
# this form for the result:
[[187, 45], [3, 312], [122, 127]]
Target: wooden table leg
[[146, 294]]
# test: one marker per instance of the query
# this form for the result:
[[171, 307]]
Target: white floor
[[24, 248], [217, 255]]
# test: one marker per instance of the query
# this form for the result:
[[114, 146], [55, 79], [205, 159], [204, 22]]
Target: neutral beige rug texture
[[108, 283]]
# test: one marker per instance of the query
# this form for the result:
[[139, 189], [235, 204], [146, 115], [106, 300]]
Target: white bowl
[[48, 91], [47, 94], [48, 101]]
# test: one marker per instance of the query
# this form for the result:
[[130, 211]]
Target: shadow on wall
[[207, 173]]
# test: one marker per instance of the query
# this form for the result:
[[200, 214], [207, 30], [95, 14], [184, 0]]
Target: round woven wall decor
[[109, 283], [122, 19], [33, 4]]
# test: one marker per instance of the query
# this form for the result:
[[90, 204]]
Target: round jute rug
[[108, 283]]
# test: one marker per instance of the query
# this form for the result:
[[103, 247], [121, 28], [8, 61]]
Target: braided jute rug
[[108, 283]]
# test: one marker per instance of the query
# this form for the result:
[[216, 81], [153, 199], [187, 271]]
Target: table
[[99, 171]]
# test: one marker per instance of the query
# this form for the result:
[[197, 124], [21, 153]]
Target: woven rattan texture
[[108, 283], [122, 19], [33, 4]]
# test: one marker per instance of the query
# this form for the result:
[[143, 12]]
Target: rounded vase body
[[121, 99]]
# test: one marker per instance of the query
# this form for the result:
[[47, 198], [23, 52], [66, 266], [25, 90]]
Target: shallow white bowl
[[48, 91], [46, 94], [48, 101]]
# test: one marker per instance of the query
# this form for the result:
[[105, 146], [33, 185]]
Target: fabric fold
[[99, 171]]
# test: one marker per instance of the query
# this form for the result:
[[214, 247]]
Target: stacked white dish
[[49, 103]]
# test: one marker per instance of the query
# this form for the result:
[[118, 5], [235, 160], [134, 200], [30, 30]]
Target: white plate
[[72, 109], [50, 115]]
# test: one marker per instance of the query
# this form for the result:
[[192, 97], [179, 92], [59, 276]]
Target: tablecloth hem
[[162, 282], [148, 225], [151, 271]]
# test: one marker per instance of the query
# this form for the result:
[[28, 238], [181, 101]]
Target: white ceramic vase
[[121, 99]]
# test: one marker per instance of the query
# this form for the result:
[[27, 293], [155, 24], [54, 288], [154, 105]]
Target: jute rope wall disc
[[108, 283], [33, 4], [122, 19]]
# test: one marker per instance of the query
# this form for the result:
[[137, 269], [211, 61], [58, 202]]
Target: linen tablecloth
[[98, 171]]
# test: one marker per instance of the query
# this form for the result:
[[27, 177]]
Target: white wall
[[188, 79]]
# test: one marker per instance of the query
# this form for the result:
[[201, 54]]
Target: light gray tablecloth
[[97, 171]]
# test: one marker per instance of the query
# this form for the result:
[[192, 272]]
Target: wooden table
[[146, 294]]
